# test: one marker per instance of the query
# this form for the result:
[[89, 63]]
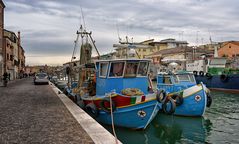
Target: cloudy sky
[[48, 27]]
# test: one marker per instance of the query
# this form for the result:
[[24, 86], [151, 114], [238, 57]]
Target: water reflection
[[173, 129], [168, 129], [219, 125]]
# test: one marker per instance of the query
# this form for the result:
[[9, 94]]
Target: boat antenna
[[118, 32], [82, 14], [75, 46]]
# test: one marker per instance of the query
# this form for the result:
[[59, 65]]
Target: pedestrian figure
[[5, 79]]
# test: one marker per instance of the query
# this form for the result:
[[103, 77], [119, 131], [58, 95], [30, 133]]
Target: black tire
[[201, 73], [172, 104], [195, 73], [92, 110], [160, 96], [209, 99], [65, 91], [105, 108], [209, 76], [178, 99], [224, 78]]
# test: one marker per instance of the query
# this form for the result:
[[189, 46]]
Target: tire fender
[[160, 96], [209, 99], [169, 106], [178, 99], [201, 73], [92, 110]]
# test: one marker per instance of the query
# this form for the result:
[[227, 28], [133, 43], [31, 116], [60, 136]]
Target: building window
[[230, 46], [144, 50]]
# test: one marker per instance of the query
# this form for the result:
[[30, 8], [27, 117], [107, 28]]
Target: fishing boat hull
[[229, 83], [136, 116], [134, 112], [194, 101]]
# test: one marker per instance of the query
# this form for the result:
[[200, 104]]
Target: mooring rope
[[112, 121]]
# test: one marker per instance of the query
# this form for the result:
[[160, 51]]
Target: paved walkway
[[34, 114]]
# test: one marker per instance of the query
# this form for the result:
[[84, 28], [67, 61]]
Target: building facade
[[14, 55], [229, 50], [21, 57], [147, 47], [2, 6]]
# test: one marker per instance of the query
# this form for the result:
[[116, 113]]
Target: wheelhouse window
[[192, 79], [175, 78], [131, 69], [167, 80], [183, 78], [143, 69], [116, 69], [103, 69]]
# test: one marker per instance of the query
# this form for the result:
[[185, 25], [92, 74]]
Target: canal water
[[220, 124]]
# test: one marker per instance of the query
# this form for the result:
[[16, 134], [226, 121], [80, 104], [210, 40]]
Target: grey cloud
[[137, 18]]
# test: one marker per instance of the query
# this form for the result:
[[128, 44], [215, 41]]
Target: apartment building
[[14, 55], [2, 6]]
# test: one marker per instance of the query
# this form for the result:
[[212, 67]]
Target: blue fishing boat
[[191, 98], [118, 92]]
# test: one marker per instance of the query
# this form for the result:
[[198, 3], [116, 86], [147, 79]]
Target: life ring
[[169, 106], [208, 75], [209, 99], [224, 78], [160, 96], [178, 99], [92, 110], [195, 73], [201, 73], [105, 105]]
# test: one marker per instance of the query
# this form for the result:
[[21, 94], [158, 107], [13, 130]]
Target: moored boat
[[224, 79], [118, 92], [191, 98]]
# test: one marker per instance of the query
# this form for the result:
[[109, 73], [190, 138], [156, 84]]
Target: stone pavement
[[34, 114]]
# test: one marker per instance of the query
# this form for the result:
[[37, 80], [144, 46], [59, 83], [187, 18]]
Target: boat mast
[[85, 53]]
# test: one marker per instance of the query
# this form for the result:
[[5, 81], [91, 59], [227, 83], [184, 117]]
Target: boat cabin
[[121, 74], [175, 82]]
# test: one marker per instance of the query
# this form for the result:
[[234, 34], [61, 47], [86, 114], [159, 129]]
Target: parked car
[[54, 79], [41, 78]]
